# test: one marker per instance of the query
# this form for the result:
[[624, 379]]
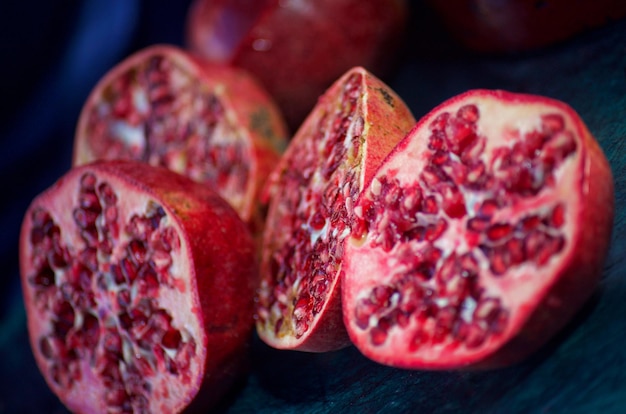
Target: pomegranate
[[166, 107], [480, 235], [519, 25], [138, 285], [298, 48], [353, 126]]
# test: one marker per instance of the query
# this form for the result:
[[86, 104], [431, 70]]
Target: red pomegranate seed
[[499, 231]]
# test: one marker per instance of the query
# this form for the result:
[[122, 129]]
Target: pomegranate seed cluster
[[101, 298], [309, 246], [158, 113], [448, 233]]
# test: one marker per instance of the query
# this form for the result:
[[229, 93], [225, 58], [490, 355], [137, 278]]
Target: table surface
[[583, 369]]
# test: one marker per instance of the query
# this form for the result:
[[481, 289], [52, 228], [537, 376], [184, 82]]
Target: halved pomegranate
[[298, 48], [213, 123], [480, 236], [138, 285], [346, 136]]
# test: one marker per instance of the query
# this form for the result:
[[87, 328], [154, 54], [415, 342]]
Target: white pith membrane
[[158, 111], [317, 188], [383, 284], [94, 356]]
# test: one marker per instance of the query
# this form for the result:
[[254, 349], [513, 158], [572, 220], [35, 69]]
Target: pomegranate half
[[346, 136], [480, 236], [138, 285], [164, 106]]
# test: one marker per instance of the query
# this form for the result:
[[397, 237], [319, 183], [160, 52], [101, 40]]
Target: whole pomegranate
[[354, 125], [138, 285], [212, 123], [520, 25], [298, 48], [481, 234]]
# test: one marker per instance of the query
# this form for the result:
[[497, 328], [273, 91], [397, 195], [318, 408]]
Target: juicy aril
[[298, 48], [480, 236], [138, 285], [166, 107], [311, 192]]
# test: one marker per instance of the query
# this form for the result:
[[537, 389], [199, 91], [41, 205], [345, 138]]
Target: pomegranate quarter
[[351, 129], [166, 107], [480, 235], [138, 285]]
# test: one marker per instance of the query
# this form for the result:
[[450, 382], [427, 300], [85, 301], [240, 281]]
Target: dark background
[[54, 52]]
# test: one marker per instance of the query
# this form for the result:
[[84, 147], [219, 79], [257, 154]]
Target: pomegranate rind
[[248, 109], [384, 119], [540, 300], [216, 274], [316, 42], [215, 29]]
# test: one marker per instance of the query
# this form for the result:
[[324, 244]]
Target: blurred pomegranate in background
[[297, 48], [518, 25], [213, 123]]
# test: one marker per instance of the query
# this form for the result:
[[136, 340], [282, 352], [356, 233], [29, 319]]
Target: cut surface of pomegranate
[[480, 236], [138, 285], [311, 192], [212, 123], [298, 48]]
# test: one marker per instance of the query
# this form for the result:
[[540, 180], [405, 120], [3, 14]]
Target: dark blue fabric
[[54, 52]]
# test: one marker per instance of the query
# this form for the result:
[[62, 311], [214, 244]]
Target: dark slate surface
[[52, 56]]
